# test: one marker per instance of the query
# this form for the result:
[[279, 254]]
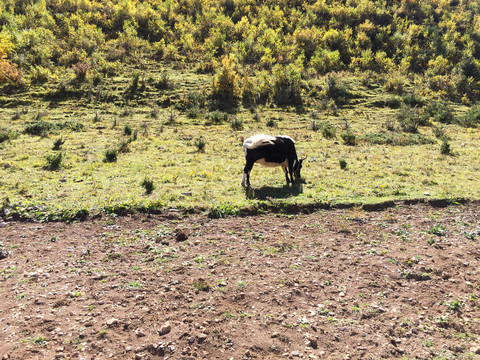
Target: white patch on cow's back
[[272, 164], [258, 140]]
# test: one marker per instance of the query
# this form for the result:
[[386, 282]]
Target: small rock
[[295, 353], [112, 322], [139, 333], [165, 329], [202, 337]]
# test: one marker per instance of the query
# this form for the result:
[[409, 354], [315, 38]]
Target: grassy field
[[157, 132]]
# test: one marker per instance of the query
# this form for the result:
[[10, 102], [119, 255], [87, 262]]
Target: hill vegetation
[[86, 41]]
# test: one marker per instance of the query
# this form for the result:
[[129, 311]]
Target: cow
[[271, 151]]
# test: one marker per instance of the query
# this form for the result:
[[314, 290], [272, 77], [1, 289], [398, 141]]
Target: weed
[[271, 123], [216, 117], [110, 155], [242, 284], [7, 134], [148, 185], [54, 161], [343, 164], [236, 124], [127, 130], [201, 285], [39, 340], [437, 229], [102, 334], [349, 138], [58, 143], [445, 148], [200, 144]]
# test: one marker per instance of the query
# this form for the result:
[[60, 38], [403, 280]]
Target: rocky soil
[[339, 284]]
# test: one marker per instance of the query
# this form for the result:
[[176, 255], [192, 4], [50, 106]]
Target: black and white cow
[[271, 151]]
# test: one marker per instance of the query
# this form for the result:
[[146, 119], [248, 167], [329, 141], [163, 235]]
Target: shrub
[[471, 118], [148, 185], [110, 155], [328, 130], [38, 127], [7, 134], [409, 119], [54, 161], [349, 138], [271, 123], [217, 117], [287, 85], [225, 83], [58, 143], [127, 130], [445, 148], [334, 90], [236, 124], [343, 164], [440, 112], [200, 144]]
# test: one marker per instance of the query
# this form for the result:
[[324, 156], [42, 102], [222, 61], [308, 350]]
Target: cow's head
[[297, 166]]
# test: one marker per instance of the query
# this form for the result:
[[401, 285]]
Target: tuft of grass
[[148, 185], [54, 161], [57, 144], [111, 155], [445, 148], [348, 137], [200, 144], [201, 285]]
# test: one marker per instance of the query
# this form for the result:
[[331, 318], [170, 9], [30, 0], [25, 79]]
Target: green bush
[[148, 185], [7, 134], [348, 137], [111, 155], [471, 118], [287, 85], [54, 161]]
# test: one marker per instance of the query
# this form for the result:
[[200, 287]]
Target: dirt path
[[347, 284]]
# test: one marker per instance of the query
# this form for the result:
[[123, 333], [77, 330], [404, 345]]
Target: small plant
[[271, 123], [445, 148], [7, 134], [39, 340], [201, 285], [102, 334], [171, 117], [127, 130], [242, 284], [58, 143], [328, 130], [343, 164], [200, 144], [237, 124], [148, 185], [111, 155], [438, 230], [349, 138], [54, 161]]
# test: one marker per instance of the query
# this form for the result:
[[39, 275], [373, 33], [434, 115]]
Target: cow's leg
[[285, 170], [246, 173]]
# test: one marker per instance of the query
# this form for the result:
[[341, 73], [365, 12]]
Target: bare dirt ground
[[338, 284]]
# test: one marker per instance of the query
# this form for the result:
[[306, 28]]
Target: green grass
[[167, 154]]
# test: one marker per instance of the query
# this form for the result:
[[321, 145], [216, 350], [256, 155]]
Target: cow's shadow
[[271, 192]]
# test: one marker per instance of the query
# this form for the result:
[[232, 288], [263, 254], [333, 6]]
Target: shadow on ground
[[272, 192]]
